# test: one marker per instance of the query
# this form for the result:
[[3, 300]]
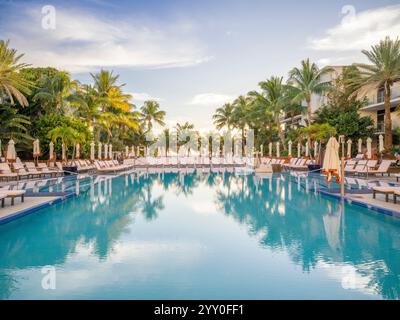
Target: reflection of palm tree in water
[[300, 228], [150, 206]]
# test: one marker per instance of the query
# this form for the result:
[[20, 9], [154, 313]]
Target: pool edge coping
[[27, 211]]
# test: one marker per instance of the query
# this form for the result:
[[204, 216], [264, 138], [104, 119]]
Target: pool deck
[[31, 204]]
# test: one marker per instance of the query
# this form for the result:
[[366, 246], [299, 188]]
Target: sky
[[193, 56]]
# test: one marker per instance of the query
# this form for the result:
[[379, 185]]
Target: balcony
[[378, 102]]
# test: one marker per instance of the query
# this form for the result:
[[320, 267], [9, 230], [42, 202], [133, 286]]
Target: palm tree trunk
[[281, 135], [309, 115], [388, 119], [243, 142]]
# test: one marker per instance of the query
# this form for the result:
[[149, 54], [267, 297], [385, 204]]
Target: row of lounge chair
[[188, 161], [298, 164], [20, 170], [110, 166], [363, 167]]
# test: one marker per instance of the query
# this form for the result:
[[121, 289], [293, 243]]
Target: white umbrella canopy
[[360, 145], [381, 143], [100, 150], [369, 148], [77, 151], [278, 150], [290, 148], [331, 160], [105, 151], [36, 148], [349, 143], [110, 152], [51, 150], [307, 149], [11, 153], [315, 149], [63, 152], [270, 149], [92, 151], [299, 150]]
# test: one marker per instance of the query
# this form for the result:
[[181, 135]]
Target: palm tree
[[55, 91], [104, 81], [223, 116], [150, 112], [12, 83], [69, 136], [306, 81], [272, 100], [241, 114], [87, 105], [383, 72], [184, 129], [14, 126]]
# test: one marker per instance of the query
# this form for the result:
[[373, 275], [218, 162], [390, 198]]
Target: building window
[[381, 95]]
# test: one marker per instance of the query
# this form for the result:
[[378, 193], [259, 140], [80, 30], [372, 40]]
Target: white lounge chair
[[6, 173], [5, 191]]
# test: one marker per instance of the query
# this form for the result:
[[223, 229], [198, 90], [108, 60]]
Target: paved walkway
[[19, 206]]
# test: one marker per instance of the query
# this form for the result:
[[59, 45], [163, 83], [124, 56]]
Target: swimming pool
[[201, 236]]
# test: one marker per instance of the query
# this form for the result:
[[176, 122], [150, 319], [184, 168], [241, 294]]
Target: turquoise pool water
[[201, 236]]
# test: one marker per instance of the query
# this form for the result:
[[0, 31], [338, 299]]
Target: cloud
[[361, 30], [82, 41], [211, 99], [144, 96]]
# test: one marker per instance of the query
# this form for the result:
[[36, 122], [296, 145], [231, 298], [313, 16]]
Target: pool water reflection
[[202, 236]]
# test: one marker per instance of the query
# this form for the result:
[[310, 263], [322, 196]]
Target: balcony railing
[[380, 98]]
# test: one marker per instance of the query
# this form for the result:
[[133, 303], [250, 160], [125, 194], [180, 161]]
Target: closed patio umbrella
[[331, 160], [299, 150], [105, 151], [315, 149], [381, 144], [349, 143], [360, 145], [92, 151], [63, 152], [78, 151], [138, 151], [126, 151], [110, 152], [11, 154], [270, 149], [262, 150], [133, 152], [290, 148], [1, 154], [307, 149], [278, 150], [36, 148], [369, 148], [51, 150], [99, 150]]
